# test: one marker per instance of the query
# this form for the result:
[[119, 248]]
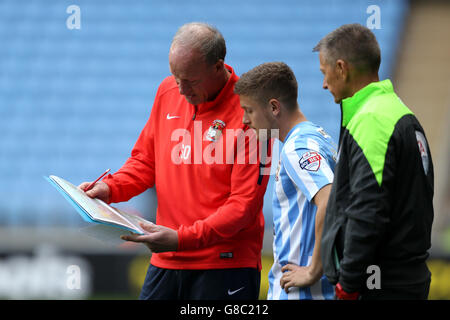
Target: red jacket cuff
[[188, 239], [109, 180], [185, 240]]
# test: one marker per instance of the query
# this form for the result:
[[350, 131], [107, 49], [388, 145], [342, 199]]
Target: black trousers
[[417, 292], [211, 284]]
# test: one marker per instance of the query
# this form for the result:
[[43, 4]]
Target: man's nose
[[245, 119], [325, 84], [184, 88]]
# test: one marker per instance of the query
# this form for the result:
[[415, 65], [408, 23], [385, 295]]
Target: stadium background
[[73, 101]]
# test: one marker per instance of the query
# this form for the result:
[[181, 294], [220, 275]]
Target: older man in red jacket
[[198, 154]]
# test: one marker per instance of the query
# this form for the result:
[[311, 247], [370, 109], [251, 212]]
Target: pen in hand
[[89, 187]]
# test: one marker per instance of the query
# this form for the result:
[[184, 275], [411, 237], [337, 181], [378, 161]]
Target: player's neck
[[290, 120]]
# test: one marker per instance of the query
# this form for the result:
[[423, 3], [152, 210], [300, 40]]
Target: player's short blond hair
[[271, 80]]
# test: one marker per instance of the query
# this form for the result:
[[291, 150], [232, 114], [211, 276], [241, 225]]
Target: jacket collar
[[350, 106]]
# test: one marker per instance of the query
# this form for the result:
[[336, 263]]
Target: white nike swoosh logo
[[171, 117], [230, 293]]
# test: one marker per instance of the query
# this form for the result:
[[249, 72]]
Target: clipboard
[[97, 211]]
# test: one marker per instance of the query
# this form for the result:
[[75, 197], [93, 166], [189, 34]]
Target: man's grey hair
[[354, 44], [203, 37]]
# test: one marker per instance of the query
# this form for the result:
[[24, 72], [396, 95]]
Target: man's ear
[[275, 107], [342, 69], [219, 65]]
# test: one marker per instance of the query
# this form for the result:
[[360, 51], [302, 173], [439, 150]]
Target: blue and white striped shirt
[[306, 164]]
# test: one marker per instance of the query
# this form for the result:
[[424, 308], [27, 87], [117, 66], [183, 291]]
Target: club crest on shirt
[[422, 144], [310, 161], [215, 130]]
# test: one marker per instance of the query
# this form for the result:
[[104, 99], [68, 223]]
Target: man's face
[[256, 116], [332, 79], [196, 80]]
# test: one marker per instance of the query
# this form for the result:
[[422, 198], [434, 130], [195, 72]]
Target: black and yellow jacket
[[380, 208]]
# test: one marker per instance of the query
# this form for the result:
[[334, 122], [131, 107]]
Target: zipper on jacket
[[195, 113]]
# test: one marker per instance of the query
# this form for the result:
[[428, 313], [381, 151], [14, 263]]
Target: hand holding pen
[[97, 189]]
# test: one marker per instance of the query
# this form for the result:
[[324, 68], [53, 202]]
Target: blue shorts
[[211, 284]]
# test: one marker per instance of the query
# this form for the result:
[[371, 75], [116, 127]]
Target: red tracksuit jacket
[[193, 155]]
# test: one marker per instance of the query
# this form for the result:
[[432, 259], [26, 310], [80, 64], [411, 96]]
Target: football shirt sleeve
[[306, 167]]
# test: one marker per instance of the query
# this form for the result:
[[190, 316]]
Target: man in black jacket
[[377, 228]]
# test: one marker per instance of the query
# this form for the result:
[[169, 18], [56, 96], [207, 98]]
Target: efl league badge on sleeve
[[310, 161], [215, 131]]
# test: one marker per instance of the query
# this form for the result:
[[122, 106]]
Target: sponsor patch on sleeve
[[310, 161]]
